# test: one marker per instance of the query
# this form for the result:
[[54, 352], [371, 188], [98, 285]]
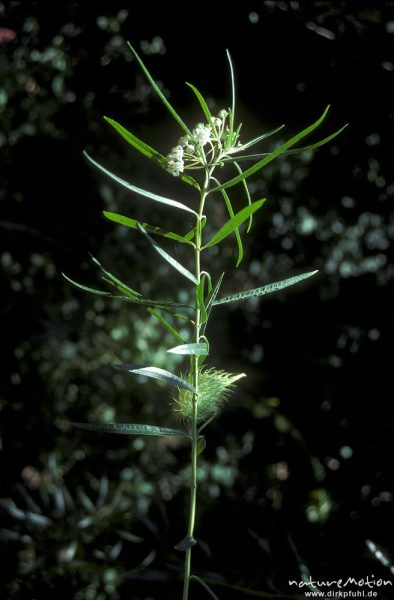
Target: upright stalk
[[195, 372]]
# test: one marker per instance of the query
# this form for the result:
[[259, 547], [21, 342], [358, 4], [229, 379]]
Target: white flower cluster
[[214, 133]]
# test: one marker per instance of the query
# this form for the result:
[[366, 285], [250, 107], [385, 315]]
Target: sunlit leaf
[[134, 224], [266, 289], [157, 373], [234, 222], [130, 429], [174, 263], [280, 150], [190, 349], [158, 90], [138, 190]]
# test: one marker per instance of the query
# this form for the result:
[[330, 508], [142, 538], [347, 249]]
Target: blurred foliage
[[297, 470]]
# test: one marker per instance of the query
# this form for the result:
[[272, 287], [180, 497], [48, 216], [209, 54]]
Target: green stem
[[195, 373]]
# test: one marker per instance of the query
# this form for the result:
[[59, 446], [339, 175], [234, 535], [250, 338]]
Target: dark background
[[297, 475]]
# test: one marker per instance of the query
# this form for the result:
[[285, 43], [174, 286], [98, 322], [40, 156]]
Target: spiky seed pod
[[213, 389]]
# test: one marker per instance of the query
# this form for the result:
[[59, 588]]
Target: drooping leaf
[[158, 90], [134, 224], [166, 324], [280, 150], [141, 301], [138, 190], [122, 287], [157, 373], [133, 140], [190, 349], [85, 288], [174, 263], [202, 102], [232, 214], [234, 222], [266, 289], [130, 429], [249, 199]]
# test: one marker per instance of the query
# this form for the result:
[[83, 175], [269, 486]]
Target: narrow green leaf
[[86, 288], [232, 112], [166, 324], [147, 302], [249, 199], [266, 289], [280, 150], [158, 90], [201, 299], [122, 287], [138, 190], [130, 429], [134, 224], [190, 349], [157, 373], [134, 141], [202, 102], [234, 222], [212, 298], [294, 151], [259, 139], [201, 444], [231, 213], [174, 263]]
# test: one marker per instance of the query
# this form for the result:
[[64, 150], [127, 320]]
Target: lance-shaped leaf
[[174, 263], [122, 287], [249, 199], [134, 141], [157, 373], [232, 112], [266, 289], [201, 297], [234, 222], [230, 211], [141, 301], [138, 190], [134, 224], [190, 349], [158, 90], [166, 324], [130, 429], [258, 139], [202, 102], [85, 288], [280, 150]]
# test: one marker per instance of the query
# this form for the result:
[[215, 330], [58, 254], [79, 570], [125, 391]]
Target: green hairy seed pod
[[213, 389]]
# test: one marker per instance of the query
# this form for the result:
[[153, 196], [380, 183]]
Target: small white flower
[[223, 114], [202, 134], [216, 122]]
